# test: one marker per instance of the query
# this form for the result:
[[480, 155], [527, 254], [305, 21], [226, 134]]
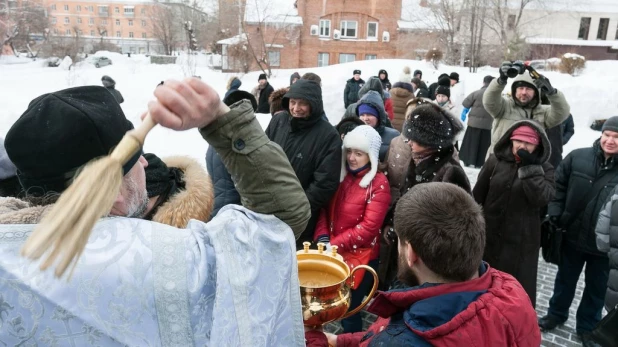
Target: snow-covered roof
[[577, 6], [233, 40], [416, 17], [272, 11], [567, 42]]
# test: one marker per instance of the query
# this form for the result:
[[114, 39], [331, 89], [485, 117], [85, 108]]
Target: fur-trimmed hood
[[233, 83], [502, 149], [193, 202]]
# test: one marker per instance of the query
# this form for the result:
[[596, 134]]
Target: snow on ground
[[591, 95]]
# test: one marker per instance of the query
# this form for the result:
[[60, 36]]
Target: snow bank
[[66, 63]]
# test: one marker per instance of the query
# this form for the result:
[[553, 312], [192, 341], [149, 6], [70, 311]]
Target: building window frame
[[66, 7], [53, 7], [53, 20], [118, 34], [323, 59], [117, 21], [345, 29], [347, 58], [584, 28], [274, 58], [143, 35], [78, 8], [67, 20], [130, 23], [603, 29], [116, 10], [371, 56], [79, 20], [325, 25], [375, 37], [91, 32], [67, 32], [131, 34], [90, 21]]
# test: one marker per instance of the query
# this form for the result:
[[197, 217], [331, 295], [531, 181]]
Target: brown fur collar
[[15, 211], [194, 202]]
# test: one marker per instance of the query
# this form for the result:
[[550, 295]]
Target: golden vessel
[[324, 289]]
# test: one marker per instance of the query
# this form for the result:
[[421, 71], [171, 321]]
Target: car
[[99, 61]]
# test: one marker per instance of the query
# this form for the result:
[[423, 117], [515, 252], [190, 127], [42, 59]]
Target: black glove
[[553, 220], [528, 158], [504, 68], [543, 84]]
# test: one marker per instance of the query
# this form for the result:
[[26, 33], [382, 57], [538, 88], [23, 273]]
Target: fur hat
[[444, 90], [405, 77], [275, 99], [366, 139], [431, 126]]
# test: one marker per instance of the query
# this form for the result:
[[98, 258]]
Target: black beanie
[[418, 72], [444, 81], [487, 79], [262, 77], [454, 76], [431, 126], [62, 131], [161, 179], [444, 90], [239, 95], [611, 124]]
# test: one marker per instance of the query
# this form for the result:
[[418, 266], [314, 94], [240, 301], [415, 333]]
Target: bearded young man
[[523, 104], [454, 297]]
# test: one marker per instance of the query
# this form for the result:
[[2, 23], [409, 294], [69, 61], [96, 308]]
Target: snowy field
[[591, 95]]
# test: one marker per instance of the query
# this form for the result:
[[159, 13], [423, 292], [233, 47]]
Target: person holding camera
[[524, 102]]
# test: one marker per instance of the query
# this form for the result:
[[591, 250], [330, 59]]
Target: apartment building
[[122, 23]]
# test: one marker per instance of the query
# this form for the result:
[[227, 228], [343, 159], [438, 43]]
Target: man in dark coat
[[312, 146], [110, 85], [514, 184], [477, 139], [420, 88], [443, 80], [383, 75], [294, 77], [352, 87], [584, 181], [261, 93]]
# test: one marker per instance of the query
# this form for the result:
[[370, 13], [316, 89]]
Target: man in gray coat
[[524, 103]]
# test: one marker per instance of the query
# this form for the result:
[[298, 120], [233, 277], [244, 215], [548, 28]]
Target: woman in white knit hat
[[355, 214]]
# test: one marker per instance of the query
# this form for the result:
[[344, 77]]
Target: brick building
[[306, 33], [123, 23]]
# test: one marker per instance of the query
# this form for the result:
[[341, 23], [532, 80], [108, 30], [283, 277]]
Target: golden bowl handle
[[370, 296]]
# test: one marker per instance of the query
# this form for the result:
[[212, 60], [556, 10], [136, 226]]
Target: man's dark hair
[[445, 227], [312, 77]]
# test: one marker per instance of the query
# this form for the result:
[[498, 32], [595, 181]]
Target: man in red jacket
[[454, 297]]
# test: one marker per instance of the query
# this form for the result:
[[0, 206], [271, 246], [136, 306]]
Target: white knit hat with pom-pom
[[405, 77], [366, 139]]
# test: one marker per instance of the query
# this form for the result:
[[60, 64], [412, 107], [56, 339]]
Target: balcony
[[103, 14], [129, 14]]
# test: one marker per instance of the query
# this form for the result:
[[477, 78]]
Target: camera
[[517, 68]]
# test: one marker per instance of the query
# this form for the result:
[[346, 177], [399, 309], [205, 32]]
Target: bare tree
[[24, 26], [477, 11], [504, 20], [162, 21]]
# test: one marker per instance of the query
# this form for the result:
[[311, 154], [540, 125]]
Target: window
[[117, 21], [91, 8], [78, 8], [103, 10], [371, 56], [616, 32], [324, 28], [79, 20], [104, 22], [68, 32], [91, 32], [91, 21], [346, 58], [510, 21], [372, 31], [584, 28], [323, 59], [128, 11], [130, 34], [79, 32], [53, 7], [130, 23], [143, 35], [66, 7], [603, 26], [142, 11], [55, 31], [117, 33], [116, 10], [274, 58], [67, 20], [143, 23], [53, 20], [348, 29]]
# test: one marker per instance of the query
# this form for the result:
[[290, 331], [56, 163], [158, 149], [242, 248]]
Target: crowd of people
[[191, 254]]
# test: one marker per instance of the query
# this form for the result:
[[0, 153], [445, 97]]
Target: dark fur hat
[[275, 100], [431, 126]]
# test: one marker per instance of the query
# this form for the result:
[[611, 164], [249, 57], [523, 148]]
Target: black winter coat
[[558, 137], [512, 196], [432, 90], [225, 192], [350, 93], [574, 178], [263, 105], [568, 129], [313, 147]]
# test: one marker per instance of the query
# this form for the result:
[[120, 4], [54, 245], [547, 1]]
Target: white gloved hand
[[328, 247]]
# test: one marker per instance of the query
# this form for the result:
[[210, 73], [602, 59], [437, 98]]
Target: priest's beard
[[138, 199], [404, 273]]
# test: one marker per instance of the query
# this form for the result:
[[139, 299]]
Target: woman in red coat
[[353, 218]]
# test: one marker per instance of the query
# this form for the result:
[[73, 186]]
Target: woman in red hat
[[515, 182]]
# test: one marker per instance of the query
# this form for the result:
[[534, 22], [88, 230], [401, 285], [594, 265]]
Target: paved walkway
[[563, 336]]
